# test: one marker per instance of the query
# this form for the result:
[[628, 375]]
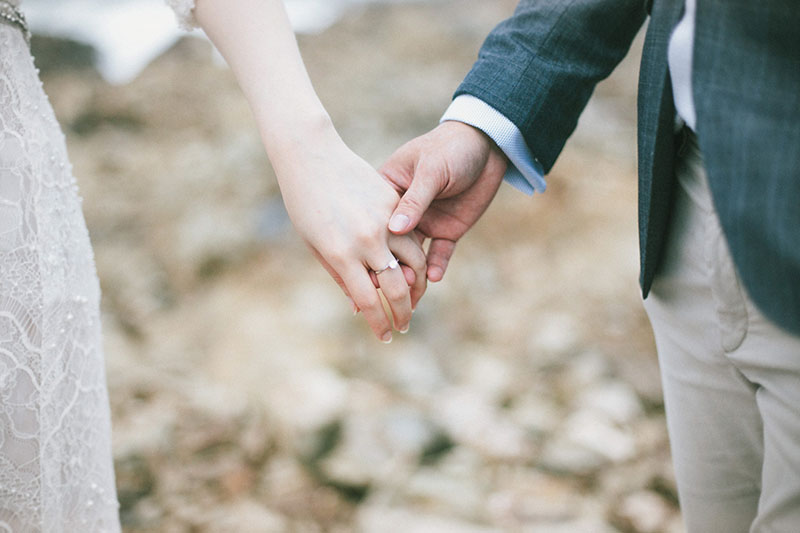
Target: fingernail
[[387, 337], [398, 223], [404, 330], [353, 306]]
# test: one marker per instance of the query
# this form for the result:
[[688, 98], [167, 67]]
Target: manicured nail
[[353, 306], [387, 337], [404, 330], [398, 223]]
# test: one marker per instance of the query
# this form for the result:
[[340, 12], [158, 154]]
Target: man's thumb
[[413, 204]]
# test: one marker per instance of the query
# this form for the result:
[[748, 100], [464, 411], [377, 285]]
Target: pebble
[[470, 418], [439, 490], [644, 512], [598, 435], [308, 398], [614, 400], [246, 517], [410, 520]]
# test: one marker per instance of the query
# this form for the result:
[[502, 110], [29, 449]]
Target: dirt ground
[[246, 397]]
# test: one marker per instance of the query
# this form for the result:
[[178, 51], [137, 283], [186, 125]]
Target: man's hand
[[448, 176]]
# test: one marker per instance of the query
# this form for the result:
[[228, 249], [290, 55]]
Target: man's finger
[[409, 274], [408, 249], [424, 188], [439, 254]]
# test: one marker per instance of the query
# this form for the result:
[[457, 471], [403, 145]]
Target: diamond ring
[[390, 266]]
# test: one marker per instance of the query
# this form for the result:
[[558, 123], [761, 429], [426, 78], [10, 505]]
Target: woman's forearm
[[257, 41], [339, 204]]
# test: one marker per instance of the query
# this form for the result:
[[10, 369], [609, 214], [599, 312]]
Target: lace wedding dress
[[56, 469]]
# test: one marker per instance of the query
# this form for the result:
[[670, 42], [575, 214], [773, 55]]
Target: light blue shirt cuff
[[525, 173]]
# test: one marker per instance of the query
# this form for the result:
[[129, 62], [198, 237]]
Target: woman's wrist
[[295, 135]]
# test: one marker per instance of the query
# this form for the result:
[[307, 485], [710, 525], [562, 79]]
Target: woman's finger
[[336, 277], [366, 297], [394, 287], [408, 272]]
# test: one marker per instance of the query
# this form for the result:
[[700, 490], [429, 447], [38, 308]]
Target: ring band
[[390, 266]]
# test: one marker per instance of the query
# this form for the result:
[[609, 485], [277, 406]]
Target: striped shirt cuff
[[525, 173]]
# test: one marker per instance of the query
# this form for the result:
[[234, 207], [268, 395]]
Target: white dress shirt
[[525, 172], [681, 48]]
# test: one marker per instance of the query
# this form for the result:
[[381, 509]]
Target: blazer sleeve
[[539, 67]]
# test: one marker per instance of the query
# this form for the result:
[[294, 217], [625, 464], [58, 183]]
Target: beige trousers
[[731, 378]]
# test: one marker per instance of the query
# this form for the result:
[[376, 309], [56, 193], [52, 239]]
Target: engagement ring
[[390, 266]]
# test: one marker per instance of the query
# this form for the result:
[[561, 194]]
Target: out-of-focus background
[[245, 396]]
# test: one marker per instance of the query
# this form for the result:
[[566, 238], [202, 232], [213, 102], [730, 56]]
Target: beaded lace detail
[[184, 10], [56, 470]]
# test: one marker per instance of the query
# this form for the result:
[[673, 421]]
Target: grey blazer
[[540, 67]]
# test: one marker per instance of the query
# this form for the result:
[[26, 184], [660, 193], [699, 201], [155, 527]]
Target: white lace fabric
[[56, 470], [184, 10]]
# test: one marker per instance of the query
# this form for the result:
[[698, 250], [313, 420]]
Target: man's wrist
[[524, 172], [463, 128]]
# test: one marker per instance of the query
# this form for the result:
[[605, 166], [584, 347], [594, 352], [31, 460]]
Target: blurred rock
[[584, 525], [586, 369], [245, 517], [563, 456], [447, 493], [586, 429], [643, 512], [554, 333], [360, 455], [415, 370], [408, 520], [491, 377], [614, 400], [471, 419], [535, 413], [308, 399], [587, 442], [135, 481], [526, 496], [212, 237], [409, 433]]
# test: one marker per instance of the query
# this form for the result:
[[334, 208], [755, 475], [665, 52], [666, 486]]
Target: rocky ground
[[246, 397]]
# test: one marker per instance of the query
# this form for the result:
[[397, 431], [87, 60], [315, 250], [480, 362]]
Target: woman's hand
[[341, 207]]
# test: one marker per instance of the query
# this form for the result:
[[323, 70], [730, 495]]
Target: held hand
[[340, 206], [449, 175], [337, 202]]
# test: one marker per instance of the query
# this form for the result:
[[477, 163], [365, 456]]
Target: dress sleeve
[[184, 10]]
